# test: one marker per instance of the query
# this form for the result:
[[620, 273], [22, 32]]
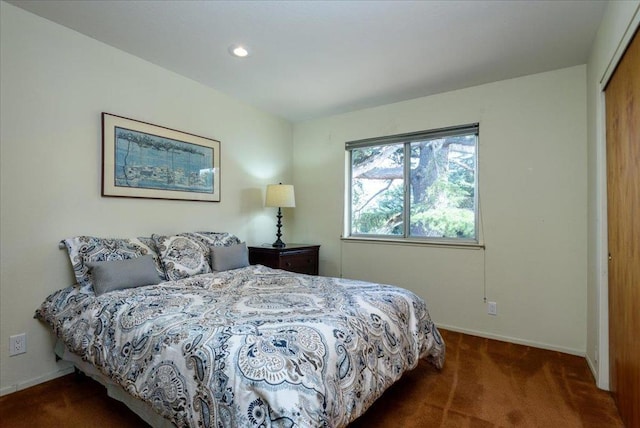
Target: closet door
[[623, 209]]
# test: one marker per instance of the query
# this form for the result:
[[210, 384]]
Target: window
[[419, 186]]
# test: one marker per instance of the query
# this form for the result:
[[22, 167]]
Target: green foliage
[[448, 210], [445, 222], [444, 205], [383, 217]]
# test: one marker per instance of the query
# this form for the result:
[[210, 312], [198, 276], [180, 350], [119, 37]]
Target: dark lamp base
[[278, 244]]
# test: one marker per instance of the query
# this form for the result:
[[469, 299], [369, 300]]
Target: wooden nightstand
[[301, 258]]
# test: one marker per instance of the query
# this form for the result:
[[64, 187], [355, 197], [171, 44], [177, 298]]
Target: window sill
[[414, 242]]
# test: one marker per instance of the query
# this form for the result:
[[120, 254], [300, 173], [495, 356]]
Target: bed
[[246, 346]]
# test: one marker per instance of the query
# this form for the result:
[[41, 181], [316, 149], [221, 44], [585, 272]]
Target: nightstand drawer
[[305, 262], [300, 258]]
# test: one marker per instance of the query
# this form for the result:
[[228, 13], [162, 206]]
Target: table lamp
[[280, 196]]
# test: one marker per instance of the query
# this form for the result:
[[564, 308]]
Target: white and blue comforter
[[252, 347]]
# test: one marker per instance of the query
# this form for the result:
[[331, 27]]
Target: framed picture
[[141, 160]]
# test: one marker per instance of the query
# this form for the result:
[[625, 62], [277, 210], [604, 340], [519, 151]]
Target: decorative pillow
[[231, 257], [148, 241], [120, 274], [215, 239], [188, 254], [182, 256], [84, 249]]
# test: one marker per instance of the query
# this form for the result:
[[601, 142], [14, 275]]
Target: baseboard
[[578, 352], [35, 381], [594, 371], [7, 390]]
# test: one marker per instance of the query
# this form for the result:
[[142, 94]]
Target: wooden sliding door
[[623, 210]]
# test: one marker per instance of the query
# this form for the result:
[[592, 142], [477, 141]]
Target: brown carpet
[[488, 383], [485, 383]]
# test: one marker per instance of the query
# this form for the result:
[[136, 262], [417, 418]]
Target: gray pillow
[[231, 257], [120, 274]]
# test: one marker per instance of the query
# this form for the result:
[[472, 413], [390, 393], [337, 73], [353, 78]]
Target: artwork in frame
[[141, 160]]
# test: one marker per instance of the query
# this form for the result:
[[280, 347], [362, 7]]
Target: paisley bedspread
[[251, 347]]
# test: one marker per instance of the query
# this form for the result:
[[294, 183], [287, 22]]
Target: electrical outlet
[[17, 344], [492, 308]]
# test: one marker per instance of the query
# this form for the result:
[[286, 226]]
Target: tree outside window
[[421, 185]]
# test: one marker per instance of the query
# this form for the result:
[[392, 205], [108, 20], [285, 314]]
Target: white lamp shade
[[280, 195]]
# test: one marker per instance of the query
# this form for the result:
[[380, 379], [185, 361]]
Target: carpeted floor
[[485, 383], [488, 383]]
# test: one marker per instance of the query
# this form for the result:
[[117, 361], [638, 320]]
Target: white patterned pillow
[[215, 239], [85, 249], [187, 254]]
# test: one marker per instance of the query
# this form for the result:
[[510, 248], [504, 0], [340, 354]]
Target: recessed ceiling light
[[238, 51]]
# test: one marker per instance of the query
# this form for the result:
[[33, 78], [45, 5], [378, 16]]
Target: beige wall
[[54, 85], [618, 25], [533, 196]]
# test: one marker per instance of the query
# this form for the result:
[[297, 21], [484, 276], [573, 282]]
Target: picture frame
[[142, 160]]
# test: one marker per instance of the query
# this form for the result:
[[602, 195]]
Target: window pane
[[377, 182], [443, 187]]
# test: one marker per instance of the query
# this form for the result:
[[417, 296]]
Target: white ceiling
[[315, 58]]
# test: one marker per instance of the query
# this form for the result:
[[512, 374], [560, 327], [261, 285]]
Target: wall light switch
[[492, 308]]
